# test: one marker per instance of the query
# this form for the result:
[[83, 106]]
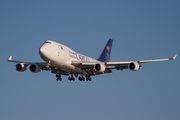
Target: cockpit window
[[47, 42]]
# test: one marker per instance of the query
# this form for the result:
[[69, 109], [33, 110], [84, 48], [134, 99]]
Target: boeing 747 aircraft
[[61, 60]]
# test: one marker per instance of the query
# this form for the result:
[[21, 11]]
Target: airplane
[[61, 60]]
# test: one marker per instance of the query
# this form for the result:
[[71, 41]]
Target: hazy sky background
[[140, 29]]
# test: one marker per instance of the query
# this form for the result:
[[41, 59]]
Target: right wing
[[36, 67], [40, 64]]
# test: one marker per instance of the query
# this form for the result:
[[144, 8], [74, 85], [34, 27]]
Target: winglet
[[10, 58], [173, 57]]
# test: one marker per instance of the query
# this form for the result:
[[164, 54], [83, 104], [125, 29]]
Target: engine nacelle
[[34, 68], [20, 67], [134, 66], [99, 67]]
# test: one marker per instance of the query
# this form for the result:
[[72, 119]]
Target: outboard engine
[[20, 67], [134, 66]]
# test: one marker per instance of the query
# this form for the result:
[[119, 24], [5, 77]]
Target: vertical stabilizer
[[105, 55]]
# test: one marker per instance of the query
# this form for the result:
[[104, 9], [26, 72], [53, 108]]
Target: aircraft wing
[[124, 64], [90, 66], [115, 65], [40, 64]]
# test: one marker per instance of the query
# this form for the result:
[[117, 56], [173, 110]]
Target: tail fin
[[105, 55]]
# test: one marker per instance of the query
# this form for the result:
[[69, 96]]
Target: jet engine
[[34, 68], [20, 67], [99, 67], [134, 66]]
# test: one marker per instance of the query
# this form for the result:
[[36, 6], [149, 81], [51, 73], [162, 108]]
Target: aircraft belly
[[69, 68]]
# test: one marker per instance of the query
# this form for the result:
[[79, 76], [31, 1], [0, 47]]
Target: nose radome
[[43, 52], [41, 49]]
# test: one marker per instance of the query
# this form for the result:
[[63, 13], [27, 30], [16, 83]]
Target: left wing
[[132, 65], [140, 61], [92, 68]]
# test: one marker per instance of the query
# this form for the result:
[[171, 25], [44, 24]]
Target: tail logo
[[107, 53], [108, 48]]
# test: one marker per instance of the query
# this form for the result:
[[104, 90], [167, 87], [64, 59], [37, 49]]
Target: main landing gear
[[71, 78], [58, 77], [88, 77], [81, 78]]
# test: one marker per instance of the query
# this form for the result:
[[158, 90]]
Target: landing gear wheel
[[88, 77], [71, 78], [58, 77], [81, 78]]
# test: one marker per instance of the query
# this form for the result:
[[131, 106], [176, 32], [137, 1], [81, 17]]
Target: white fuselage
[[61, 56]]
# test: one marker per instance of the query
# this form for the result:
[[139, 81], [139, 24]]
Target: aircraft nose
[[43, 52], [41, 49]]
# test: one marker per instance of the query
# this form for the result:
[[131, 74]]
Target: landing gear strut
[[71, 78], [58, 77], [88, 77], [81, 78]]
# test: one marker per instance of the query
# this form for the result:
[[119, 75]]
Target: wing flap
[[83, 65], [76, 63], [117, 63]]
